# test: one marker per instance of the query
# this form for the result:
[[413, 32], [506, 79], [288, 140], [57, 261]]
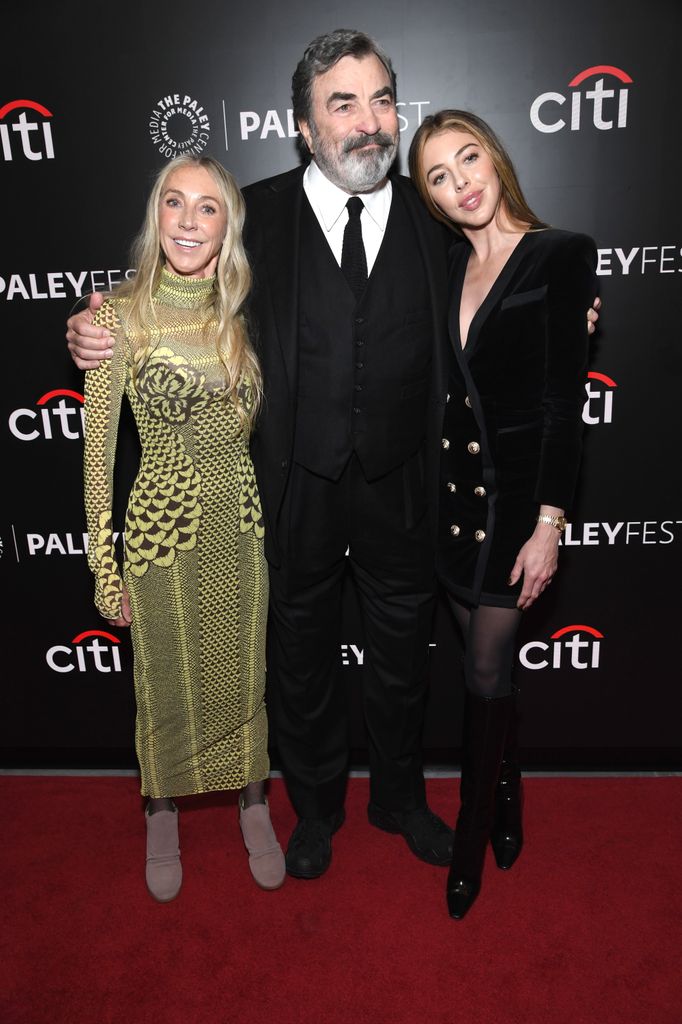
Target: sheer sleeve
[[104, 389]]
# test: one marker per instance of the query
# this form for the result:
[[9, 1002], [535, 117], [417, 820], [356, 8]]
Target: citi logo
[[607, 106], [573, 646], [101, 653], [58, 414], [32, 133], [598, 407]]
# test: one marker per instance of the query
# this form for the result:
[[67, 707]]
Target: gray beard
[[357, 170]]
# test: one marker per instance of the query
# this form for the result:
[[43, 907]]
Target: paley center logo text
[[178, 125], [28, 134], [606, 101], [576, 646], [58, 413], [101, 653]]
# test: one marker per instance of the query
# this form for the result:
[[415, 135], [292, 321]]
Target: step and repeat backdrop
[[95, 97]]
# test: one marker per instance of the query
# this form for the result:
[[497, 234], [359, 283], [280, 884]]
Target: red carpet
[[585, 929]]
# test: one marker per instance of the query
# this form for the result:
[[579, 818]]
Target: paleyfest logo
[[35, 134], [60, 284], [608, 106], [57, 413], [263, 124], [101, 653], [575, 646], [179, 125]]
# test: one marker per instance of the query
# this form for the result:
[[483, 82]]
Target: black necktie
[[353, 259]]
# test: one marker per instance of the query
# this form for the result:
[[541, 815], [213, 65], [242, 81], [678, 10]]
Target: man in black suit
[[348, 303], [348, 314]]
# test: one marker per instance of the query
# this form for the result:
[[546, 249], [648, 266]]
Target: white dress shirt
[[329, 205]]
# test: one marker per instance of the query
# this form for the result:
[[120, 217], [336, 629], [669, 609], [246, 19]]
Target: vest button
[[359, 343], [467, 402], [452, 488], [445, 443], [480, 536], [356, 410], [455, 530], [358, 387], [479, 492], [359, 366], [359, 319], [473, 447]]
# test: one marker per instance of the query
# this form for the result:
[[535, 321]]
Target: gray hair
[[321, 55]]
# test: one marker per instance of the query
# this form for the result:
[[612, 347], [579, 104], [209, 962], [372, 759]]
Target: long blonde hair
[[463, 121], [232, 285]]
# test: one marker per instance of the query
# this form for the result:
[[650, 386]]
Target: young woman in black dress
[[511, 448]]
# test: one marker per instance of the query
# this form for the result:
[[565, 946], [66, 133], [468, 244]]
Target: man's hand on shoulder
[[87, 344], [593, 316]]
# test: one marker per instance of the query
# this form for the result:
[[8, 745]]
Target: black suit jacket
[[523, 372], [272, 235]]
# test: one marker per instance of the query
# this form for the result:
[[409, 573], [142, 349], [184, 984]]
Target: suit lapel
[[495, 295], [436, 271], [281, 231]]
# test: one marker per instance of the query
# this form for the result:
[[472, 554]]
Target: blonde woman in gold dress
[[193, 587]]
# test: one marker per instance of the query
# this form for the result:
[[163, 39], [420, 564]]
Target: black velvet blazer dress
[[513, 422]]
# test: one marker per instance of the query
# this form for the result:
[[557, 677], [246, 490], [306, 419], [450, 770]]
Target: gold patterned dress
[[194, 563]]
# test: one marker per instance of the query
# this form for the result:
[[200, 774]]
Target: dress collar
[[183, 292]]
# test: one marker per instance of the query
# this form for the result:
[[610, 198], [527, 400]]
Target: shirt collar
[[330, 201]]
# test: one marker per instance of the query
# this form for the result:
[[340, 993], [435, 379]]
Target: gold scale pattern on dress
[[194, 564]]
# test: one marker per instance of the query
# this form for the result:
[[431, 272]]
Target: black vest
[[363, 368]]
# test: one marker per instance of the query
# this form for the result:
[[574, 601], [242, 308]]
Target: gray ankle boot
[[164, 870]]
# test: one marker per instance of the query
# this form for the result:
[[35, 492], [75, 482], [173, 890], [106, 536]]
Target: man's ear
[[304, 129]]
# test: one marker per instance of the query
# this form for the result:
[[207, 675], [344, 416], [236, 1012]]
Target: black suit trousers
[[378, 532]]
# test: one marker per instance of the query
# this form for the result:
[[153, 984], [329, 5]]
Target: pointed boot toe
[[506, 847], [460, 896]]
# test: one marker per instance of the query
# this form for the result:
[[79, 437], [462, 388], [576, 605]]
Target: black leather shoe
[[426, 834], [309, 852]]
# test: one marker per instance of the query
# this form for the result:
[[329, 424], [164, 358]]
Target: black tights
[[489, 639]]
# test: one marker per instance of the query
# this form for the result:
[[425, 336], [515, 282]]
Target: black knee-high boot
[[485, 728], [507, 832]]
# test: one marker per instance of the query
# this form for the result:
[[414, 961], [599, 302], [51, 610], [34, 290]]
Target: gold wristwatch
[[558, 522]]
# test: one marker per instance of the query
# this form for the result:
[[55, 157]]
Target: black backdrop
[[94, 97]]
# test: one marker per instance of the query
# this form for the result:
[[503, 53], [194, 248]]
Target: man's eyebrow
[[344, 97], [335, 96]]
